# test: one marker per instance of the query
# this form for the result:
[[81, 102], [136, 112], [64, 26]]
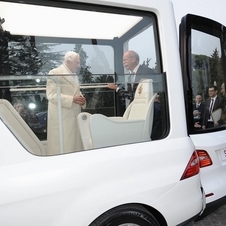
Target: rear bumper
[[188, 221], [211, 207], [192, 219]]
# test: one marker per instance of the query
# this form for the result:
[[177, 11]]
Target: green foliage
[[23, 55], [206, 71], [27, 57], [216, 70]]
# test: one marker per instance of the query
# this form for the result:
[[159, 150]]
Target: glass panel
[[147, 51], [29, 99], [207, 79], [51, 88]]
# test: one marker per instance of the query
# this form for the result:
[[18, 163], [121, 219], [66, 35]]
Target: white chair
[[134, 126], [20, 129]]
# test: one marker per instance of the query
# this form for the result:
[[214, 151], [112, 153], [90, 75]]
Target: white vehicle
[[203, 41], [203, 65], [124, 175]]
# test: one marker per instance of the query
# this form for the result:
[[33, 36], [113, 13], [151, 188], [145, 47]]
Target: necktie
[[132, 78], [211, 106]]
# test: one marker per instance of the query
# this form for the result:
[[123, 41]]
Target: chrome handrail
[[38, 88]]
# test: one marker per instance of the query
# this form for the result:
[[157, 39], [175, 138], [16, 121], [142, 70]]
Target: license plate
[[223, 153]]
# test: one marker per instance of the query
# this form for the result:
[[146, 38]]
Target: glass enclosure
[[29, 52]]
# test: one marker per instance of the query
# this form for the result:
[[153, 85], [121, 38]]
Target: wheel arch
[[157, 215]]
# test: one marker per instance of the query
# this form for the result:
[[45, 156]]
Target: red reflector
[[208, 195], [204, 158], [192, 168]]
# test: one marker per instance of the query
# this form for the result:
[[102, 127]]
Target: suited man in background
[[137, 72], [213, 103], [198, 111]]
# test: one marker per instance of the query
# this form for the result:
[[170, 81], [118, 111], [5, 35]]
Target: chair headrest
[[144, 89]]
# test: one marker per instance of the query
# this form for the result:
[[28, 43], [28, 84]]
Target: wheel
[[129, 215]]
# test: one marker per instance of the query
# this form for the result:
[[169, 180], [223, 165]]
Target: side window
[[207, 80], [92, 87], [206, 76]]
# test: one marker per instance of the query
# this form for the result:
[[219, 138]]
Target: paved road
[[217, 218]]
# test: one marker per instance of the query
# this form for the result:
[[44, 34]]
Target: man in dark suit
[[213, 103], [198, 111], [223, 115], [137, 72]]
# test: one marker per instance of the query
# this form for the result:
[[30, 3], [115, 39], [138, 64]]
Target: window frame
[[207, 26]]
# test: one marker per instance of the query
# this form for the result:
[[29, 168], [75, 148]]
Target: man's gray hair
[[70, 55], [134, 54]]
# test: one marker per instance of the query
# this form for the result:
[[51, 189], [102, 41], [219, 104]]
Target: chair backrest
[[135, 126], [138, 107], [20, 128]]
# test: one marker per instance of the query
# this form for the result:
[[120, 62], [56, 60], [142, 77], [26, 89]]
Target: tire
[[128, 215]]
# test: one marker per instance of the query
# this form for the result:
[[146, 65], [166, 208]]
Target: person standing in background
[[198, 111], [223, 115], [213, 103]]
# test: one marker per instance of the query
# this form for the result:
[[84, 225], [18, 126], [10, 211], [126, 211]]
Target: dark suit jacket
[[142, 72], [218, 104]]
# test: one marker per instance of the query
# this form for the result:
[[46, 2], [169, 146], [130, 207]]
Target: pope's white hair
[[70, 55]]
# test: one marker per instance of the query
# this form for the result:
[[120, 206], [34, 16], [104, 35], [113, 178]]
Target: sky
[[213, 9]]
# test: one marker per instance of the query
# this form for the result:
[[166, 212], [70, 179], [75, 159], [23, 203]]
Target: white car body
[[212, 176], [76, 188]]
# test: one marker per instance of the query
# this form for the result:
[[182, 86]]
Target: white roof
[[59, 22]]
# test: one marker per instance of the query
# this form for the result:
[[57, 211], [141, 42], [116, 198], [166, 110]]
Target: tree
[[22, 55], [206, 71], [27, 57], [216, 70], [86, 75]]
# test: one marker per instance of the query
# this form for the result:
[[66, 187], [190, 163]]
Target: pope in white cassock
[[71, 100]]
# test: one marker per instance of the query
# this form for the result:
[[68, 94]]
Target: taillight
[[204, 158], [192, 168]]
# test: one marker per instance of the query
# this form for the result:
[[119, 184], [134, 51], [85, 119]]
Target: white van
[[203, 64], [137, 164], [199, 40]]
